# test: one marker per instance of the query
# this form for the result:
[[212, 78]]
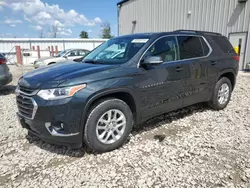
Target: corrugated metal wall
[[223, 16], [7, 45]]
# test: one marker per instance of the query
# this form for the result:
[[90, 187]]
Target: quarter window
[[165, 47], [223, 44], [191, 47]]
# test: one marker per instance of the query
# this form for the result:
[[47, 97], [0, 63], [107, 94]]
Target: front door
[[161, 87], [238, 40], [72, 55]]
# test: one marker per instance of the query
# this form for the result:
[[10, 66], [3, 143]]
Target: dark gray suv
[[5, 75], [97, 102]]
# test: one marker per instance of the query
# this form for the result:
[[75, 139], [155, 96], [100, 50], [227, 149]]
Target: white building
[[228, 17]]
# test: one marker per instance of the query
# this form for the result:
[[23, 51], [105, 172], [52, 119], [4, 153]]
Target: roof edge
[[121, 2]]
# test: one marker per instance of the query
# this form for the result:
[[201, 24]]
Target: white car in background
[[64, 56]]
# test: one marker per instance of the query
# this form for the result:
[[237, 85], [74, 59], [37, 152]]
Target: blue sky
[[33, 18]]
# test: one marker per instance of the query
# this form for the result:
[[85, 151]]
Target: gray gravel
[[194, 147]]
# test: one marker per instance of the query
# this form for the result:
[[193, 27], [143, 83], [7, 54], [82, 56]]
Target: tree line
[[105, 32], [54, 31]]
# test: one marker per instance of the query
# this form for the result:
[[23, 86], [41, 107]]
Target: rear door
[[194, 51], [161, 87]]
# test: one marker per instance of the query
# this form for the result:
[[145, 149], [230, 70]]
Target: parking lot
[[194, 146]]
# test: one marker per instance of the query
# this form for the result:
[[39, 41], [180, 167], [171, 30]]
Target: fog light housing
[[57, 129]]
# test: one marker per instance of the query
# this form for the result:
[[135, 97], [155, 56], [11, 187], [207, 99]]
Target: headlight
[[60, 93]]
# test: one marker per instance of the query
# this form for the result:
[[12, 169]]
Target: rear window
[[192, 47], [223, 44]]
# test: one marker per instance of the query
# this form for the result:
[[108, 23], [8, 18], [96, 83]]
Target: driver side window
[[166, 48], [72, 53]]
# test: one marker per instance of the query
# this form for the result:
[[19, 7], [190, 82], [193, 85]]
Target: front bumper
[[73, 141], [57, 122], [5, 79]]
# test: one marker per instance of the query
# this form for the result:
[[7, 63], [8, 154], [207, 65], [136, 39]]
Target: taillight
[[237, 58], [2, 61]]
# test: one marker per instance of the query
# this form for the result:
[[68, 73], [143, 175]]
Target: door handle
[[213, 62], [178, 69]]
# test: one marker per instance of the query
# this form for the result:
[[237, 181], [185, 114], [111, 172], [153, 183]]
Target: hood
[[44, 59], [52, 76]]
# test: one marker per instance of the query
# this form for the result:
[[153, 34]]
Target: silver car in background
[[5, 75], [64, 56]]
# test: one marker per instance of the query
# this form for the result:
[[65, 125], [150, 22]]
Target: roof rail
[[122, 2], [196, 31]]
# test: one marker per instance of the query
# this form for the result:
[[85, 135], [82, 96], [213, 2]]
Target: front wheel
[[108, 125], [222, 94]]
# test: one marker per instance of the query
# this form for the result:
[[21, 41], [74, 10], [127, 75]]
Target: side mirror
[[153, 60], [65, 56]]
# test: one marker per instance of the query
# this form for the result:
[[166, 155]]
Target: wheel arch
[[123, 94], [230, 74], [51, 63]]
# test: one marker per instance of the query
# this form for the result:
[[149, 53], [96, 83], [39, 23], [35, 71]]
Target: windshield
[[116, 51], [61, 53]]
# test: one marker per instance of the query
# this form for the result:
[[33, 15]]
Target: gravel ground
[[194, 147]]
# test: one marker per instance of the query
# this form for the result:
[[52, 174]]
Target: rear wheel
[[222, 94], [108, 125]]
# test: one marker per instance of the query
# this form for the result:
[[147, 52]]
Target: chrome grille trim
[[25, 93], [25, 104]]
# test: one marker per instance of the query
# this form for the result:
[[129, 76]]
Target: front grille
[[26, 106], [26, 90]]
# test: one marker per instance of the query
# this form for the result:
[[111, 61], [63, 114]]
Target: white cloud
[[58, 23], [42, 18], [12, 25], [65, 32], [2, 3], [10, 21], [26, 18], [36, 27], [15, 1], [90, 24], [62, 32], [89, 31], [5, 34], [98, 20], [43, 14]]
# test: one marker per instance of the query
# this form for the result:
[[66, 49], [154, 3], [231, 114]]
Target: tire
[[101, 111], [215, 101]]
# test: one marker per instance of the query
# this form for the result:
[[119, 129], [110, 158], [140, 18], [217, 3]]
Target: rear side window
[[192, 47], [81, 53], [223, 44]]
